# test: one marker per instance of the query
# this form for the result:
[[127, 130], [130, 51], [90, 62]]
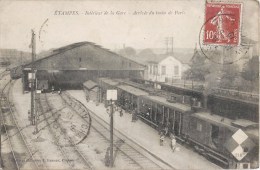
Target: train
[[230, 104], [230, 143]]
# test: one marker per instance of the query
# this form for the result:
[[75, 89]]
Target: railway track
[[70, 152], [23, 156], [136, 156], [3, 73]]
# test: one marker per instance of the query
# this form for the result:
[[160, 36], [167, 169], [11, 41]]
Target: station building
[[165, 68], [70, 66]]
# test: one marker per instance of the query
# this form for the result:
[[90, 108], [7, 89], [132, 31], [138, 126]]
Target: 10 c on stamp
[[222, 26]]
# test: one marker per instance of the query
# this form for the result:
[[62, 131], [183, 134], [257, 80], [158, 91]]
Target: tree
[[127, 52], [229, 75], [250, 73], [199, 68], [146, 53]]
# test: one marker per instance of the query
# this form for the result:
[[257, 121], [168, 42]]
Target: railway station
[[95, 85], [76, 79]]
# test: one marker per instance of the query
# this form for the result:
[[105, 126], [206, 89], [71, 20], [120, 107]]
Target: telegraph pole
[[32, 79], [111, 133], [33, 109], [111, 96], [169, 45], [166, 43]]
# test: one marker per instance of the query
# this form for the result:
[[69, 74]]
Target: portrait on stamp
[[222, 23]]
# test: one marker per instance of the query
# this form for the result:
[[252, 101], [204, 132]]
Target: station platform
[[148, 138], [141, 133]]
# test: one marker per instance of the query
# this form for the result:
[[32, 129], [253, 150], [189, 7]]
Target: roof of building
[[133, 90], [90, 84], [93, 57], [196, 53], [71, 46], [109, 81], [181, 55], [157, 59], [161, 100], [184, 59]]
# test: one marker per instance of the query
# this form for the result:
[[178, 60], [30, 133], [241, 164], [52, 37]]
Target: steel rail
[[10, 83], [3, 124], [85, 161], [53, 134], [94, 117]]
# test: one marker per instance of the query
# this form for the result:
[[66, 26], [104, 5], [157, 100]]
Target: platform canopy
[[90, 84], [84, 56]]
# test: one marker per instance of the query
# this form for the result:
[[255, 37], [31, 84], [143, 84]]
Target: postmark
[[222, 25], [72, 130]]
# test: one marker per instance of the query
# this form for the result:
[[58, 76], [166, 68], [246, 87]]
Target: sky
[[181, 20]]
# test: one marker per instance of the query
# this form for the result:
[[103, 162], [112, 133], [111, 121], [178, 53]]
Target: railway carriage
[[211, 135], [159, 113], [128, 97]]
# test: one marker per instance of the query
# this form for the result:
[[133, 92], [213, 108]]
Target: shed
[[91, 90]]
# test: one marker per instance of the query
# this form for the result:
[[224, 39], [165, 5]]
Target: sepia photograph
[[131, 84]]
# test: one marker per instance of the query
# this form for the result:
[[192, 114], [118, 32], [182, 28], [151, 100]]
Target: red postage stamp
[[222, 25]]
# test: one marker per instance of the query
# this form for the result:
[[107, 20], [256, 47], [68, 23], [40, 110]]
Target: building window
[[163, 70], [151, 69], [176, 70], [199, 127], [79, 59]]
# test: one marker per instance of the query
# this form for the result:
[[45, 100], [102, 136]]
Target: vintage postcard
[[133, 84]]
